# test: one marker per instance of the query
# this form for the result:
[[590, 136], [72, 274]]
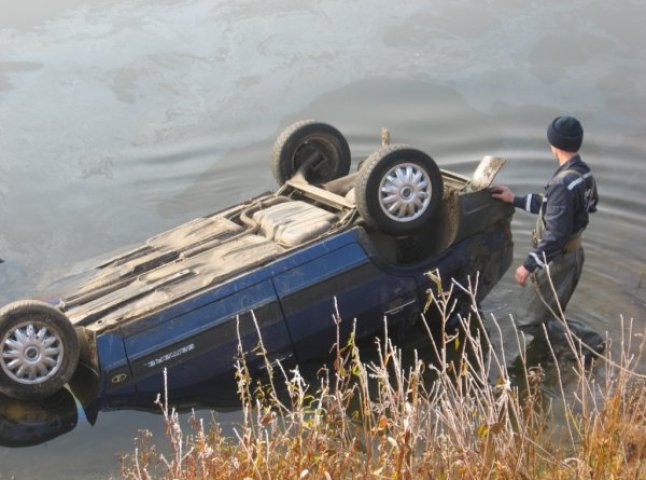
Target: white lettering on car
[[170, 355]]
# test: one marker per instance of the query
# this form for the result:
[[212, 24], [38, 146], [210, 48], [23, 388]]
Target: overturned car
[[274, 266]]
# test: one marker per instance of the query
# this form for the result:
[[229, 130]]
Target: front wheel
[[39, 350], [398, 190]]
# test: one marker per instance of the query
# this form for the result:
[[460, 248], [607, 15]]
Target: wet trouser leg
[[542, 303], [537, 305]]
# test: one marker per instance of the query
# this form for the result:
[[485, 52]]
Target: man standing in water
[[556, 254]]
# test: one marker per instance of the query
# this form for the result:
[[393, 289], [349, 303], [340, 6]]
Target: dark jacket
[[570, 195]]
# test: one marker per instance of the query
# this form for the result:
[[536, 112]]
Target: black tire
[[398, 190], [39, 350], [310, 139]]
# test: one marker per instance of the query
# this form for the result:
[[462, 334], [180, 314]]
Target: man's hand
[[503, 193], [522, 274]]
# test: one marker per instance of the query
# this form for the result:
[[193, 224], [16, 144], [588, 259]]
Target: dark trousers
[[542, 302]]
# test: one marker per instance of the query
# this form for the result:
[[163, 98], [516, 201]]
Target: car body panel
[[344, 281]]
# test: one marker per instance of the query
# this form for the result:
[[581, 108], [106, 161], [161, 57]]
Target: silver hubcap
[[405, 192], [31, 353]]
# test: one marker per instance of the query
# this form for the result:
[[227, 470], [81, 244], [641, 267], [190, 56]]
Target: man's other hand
[[522, 274]]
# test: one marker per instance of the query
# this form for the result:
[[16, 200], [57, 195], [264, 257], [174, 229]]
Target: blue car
[[276, 266]]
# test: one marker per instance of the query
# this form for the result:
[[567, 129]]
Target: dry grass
[[456, 417]]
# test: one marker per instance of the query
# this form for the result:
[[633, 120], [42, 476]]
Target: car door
[[347, 279], [199, 339]]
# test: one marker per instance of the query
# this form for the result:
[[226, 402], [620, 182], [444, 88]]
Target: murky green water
[[121, 119]]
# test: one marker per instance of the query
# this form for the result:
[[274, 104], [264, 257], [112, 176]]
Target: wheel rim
[[405, 192], [31, 353]]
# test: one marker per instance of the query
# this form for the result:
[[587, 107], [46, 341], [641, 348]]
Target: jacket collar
[[569, 164]]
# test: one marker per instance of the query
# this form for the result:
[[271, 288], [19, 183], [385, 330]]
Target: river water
[[119, 119]]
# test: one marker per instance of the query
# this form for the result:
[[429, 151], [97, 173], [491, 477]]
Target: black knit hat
[[565, 133]]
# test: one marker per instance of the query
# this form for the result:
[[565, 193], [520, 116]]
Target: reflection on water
[[32, 422], [29, 423], [121, 119]]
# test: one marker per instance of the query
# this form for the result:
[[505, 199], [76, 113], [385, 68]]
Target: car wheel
[[39, 350], [320, 149], [398, 189]]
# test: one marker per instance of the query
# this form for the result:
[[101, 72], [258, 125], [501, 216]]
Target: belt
[[572, 245]]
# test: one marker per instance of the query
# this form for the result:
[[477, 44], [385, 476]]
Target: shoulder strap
[[580, 177]]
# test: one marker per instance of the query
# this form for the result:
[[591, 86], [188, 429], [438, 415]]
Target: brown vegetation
[[459, 416]]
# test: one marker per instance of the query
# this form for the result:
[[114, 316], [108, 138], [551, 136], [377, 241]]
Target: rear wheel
[[39, 350], [398, 190], [319, 149]]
